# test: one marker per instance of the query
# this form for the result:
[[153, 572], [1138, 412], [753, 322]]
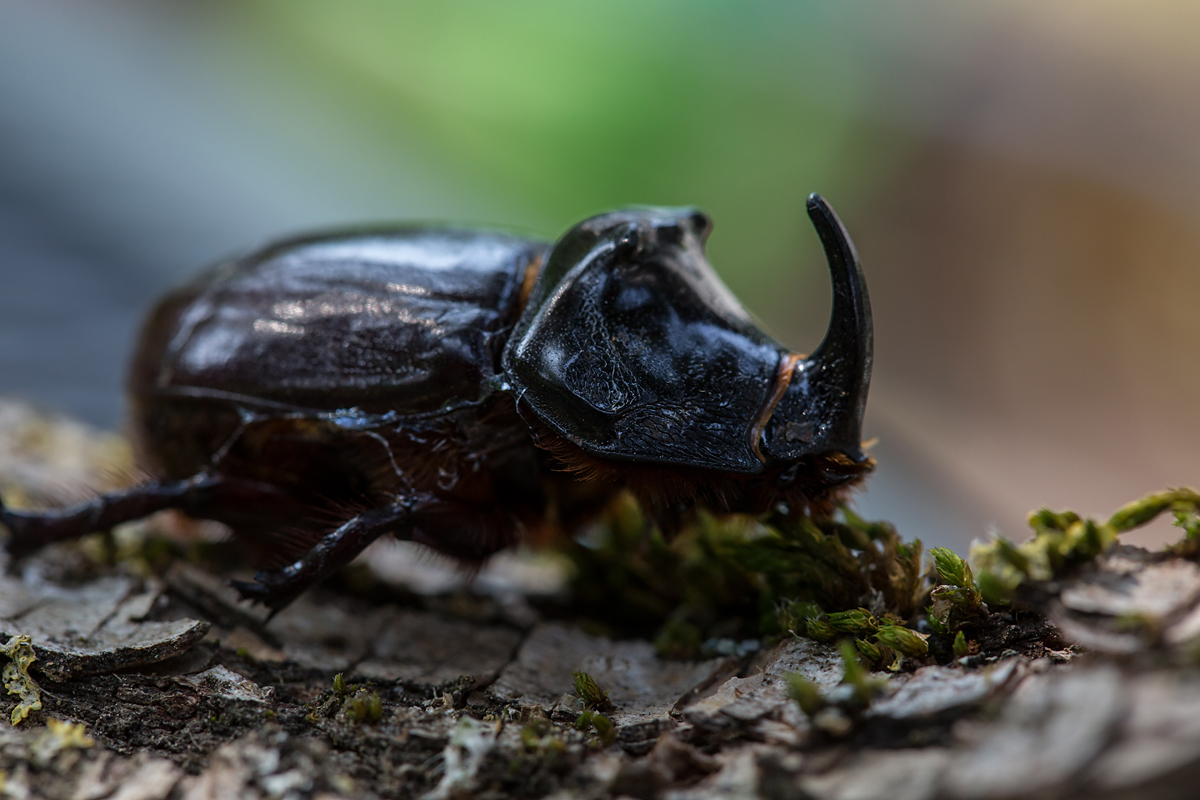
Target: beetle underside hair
[[818, 485]]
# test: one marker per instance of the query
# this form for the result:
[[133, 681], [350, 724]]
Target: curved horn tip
[[820, 212]]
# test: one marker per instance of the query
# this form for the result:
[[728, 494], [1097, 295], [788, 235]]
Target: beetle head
[[632, 348]]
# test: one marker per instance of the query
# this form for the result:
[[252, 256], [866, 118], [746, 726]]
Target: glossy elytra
[[464, 389]]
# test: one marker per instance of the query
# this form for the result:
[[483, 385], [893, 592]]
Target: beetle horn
[[841, 366]]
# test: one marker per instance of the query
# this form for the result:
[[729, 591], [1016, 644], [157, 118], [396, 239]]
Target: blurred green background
[[1022, 181]]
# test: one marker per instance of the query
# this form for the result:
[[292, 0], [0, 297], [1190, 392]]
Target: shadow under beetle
[[464, 389]]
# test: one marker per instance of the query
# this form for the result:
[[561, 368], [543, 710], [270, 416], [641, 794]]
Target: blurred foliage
[[602, 725], [1063, 540], [568, 110], [838, 712], [364, 707]]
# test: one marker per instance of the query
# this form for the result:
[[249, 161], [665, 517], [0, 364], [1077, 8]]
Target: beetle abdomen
[[402, 321]]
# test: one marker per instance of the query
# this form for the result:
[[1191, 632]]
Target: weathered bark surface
[[465, 690]]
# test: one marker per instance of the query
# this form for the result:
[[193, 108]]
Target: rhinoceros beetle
[[465, 389]]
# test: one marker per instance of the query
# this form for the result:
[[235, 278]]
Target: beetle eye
[[702, 224]]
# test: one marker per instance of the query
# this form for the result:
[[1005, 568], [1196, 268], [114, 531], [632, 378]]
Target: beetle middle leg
[[463, 531]]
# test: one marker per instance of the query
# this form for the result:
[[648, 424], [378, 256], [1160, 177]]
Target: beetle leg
[[460, 530], [206, 496], [277, 588], [33, 530]]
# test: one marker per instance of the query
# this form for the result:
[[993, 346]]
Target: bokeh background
[[1022, 180]]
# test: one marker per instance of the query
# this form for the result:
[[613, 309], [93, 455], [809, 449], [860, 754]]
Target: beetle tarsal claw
[[270, 589], [250, 590]]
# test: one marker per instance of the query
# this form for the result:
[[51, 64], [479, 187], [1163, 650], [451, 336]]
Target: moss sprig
[[364, 706], [956, 602], [605, 730], [1062, 540], [594, 698], [837, 711]]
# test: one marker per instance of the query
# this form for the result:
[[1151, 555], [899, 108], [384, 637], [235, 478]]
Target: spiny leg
[[463, 531], [205, 496], [33, 530], [277, 588]]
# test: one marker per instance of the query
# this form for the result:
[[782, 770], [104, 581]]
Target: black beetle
[[462, 389]]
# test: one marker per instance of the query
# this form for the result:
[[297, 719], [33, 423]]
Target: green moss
[[1139, 512], [956, 602], [1187, 520], [805, 693], [820, 631], [876, 656], [1062, 540], [829, 579], [590, 693], [16, 677], [605, 730], [960, 647], [743, 577], [538, 737], [951, 568], [866, 687], [364, 707], [836, 713], [907, 642], [857, 621], [339, 698]]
